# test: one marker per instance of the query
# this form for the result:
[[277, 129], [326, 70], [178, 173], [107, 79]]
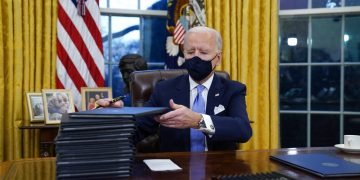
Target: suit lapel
[[215, 94], [182, 94]]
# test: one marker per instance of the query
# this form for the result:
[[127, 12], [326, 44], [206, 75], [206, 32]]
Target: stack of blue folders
[[98, 144]]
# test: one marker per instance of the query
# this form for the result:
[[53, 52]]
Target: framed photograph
[[90, 95], [35, 106], [56, 103]]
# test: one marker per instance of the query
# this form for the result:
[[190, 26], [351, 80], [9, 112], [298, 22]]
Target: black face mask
[[198, 68]]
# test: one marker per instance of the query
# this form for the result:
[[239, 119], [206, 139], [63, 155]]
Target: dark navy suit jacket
[[231, 125]]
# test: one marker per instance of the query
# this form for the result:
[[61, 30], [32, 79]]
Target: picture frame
[[56, 103], [90, 95], [35, 107]]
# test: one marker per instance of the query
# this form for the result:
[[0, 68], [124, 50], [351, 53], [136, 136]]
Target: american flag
[[80, 60], [180, 30]]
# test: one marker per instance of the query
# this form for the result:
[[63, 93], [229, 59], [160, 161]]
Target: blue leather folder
[[323, 165], [124, 112]]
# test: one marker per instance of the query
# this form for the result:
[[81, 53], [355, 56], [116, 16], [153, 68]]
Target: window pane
[[125, 36], [352, 124], [154, 40], [326, 39], [293, 44], [103, 4], [326, 3], [325, 130], [293, 88], [294, 4], [105, 35], [325, 88], [153, 4], [352, 3], [107, 75], [351, 88], [352, 38], [293, 130], [124, 4]]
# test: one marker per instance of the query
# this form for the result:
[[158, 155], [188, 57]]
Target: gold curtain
[[27, 64], [250, 54], [28, 54]]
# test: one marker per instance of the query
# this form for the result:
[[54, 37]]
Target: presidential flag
[[80, 60], [182, 15]]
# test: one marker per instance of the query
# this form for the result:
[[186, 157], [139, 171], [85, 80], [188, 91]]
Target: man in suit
[[213, 118]]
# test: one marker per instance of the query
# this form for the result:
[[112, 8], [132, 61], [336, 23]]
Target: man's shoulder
[[228, 83]]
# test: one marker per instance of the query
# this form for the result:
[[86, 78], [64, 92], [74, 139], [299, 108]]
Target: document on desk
[[161, 165]]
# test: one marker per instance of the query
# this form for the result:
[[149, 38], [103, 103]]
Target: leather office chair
[[142, 84]]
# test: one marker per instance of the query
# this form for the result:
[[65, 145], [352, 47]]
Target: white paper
[[161, 165]]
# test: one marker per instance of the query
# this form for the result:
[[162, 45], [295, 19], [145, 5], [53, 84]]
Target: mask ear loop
[[214, 57], [217, 54]]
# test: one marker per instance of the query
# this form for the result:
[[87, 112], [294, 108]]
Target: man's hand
[[107, 103], [180, 117]]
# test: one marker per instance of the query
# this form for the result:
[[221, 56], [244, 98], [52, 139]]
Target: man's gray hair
[[218, 38]]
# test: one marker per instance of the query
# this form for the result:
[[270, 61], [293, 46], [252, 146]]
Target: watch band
[[202, 124]]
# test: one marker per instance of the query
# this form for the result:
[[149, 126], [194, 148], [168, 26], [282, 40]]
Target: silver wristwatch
[[202, 124]]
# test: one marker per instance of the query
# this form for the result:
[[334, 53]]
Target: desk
[[214, 163], [46, 137]]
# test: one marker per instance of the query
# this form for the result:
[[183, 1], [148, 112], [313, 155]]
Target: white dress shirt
[[210, 129]]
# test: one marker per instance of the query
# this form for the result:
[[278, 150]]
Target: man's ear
[[219, 59]]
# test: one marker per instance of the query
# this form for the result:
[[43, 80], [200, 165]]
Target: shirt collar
[[207, 83]]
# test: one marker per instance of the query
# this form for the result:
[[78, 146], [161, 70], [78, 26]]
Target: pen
[[111, 101], [117, 99]]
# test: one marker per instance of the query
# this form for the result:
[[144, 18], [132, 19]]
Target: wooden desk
[[46, 137], [195, 165]]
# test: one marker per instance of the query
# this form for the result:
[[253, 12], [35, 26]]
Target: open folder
[[324, 165]]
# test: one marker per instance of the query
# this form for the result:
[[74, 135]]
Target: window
[[318, 70], [137, 27], [304, 4]]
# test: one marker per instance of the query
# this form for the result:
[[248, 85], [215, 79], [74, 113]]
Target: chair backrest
[[143, 82]]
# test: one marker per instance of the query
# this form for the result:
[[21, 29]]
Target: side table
[[47, 137]]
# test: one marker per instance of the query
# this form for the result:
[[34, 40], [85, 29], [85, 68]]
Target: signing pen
[[111, 101]]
